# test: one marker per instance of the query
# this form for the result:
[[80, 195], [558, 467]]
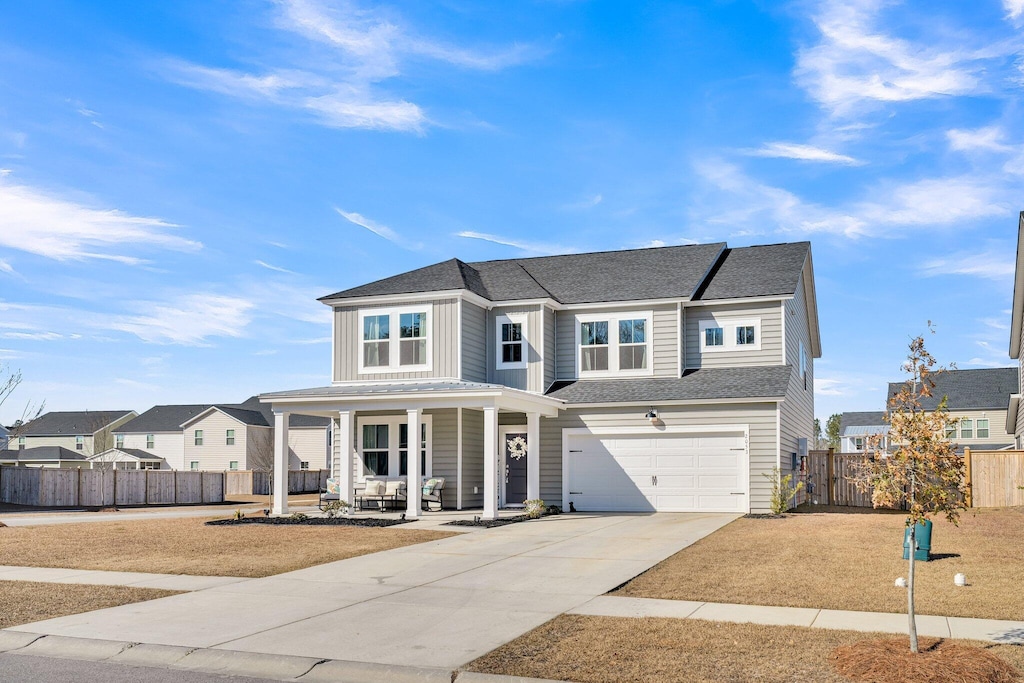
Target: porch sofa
[[392, 492]]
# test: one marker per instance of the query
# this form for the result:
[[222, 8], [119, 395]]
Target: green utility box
[[922, 539]]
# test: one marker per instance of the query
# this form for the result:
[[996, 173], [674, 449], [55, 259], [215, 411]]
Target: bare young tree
[[9, 381], [922, 470], [261, 450]]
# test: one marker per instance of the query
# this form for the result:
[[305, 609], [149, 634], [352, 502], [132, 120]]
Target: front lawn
[[618, 650], [188, 546], [27, 601], [849, 561]]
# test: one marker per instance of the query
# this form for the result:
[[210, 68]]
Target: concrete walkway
[[94, 577], [437, 605], [992, 630]]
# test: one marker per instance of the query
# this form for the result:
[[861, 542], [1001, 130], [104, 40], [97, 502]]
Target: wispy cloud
[[792, 150], [584, 204], [378, 229], [857, 63], [990, 265], [989, 138], [6, 267], [1014, 8], [189, 320], [530, 247], [44, 223], [268, 266]]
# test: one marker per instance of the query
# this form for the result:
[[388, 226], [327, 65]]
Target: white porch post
[[490, 462], [532, 456], [414, 488], [346, 423], [280, 506]]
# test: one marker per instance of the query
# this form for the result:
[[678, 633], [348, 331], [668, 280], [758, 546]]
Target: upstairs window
[[79, 443], [615, 344], [966, 429], [150, 441], [951, 431], [395, 340], [714, 336], [745, 335], [197, 437], [229, 437], [21, 443], [858, 444], [982, 428], [511, 342], [726, 334], [119, 441]]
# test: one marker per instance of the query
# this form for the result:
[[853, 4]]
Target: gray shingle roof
[[874, 418], [162, 419], [703, 384], [765, 270], [83, 423], [253, 404], [138, 454], [984, 389], [49, 454]]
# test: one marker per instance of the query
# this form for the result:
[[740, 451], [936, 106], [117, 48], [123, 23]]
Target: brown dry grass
[[187, 546], [27, 601], [849, 561], [889, 660], [617, 650]]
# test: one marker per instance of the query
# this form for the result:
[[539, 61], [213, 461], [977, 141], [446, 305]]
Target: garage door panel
[[693, 473]]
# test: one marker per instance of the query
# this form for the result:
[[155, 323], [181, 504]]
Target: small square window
[[194, 465], [198, 437], [229, 437], [233, 465], [745, 335], [714, 336], [304, 465]]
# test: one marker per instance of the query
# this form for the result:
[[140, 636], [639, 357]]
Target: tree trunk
[[910, 590]]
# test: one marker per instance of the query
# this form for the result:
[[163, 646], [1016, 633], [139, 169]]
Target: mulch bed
[[889, 660], [502, 521], [311, 521]]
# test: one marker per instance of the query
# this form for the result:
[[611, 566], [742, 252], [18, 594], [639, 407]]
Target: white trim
[[353, 302], [785, 342], [778, 437], [335, 345], [651, 430], [503, 431], [613, 318], [521, 319], [393, 422], [458, 460], [458, 338], [741, 300], [680, 402], [680, 341], [729, 325], [394, 339]]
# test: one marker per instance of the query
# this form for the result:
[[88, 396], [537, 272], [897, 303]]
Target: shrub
[[783, 491], [534, 508], [335, 508]]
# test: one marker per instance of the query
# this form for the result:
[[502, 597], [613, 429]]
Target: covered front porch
[[483, 439]]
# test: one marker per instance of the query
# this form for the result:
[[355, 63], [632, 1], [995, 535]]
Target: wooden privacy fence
[[47, 487], [830, 479], [253, 483]]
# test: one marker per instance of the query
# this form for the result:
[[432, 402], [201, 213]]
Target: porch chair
[[329, 493], [395, 493], [433, 492]]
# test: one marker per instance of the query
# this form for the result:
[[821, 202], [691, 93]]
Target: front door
[[515, 466]]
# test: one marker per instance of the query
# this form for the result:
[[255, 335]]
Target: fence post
[[968, 497], [830, 475], [79, 501]]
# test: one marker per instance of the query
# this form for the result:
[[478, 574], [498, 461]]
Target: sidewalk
[[42, 517], [95, 577], [991, 630]]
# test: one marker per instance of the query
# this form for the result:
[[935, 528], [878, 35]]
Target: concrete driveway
[[437, 604]]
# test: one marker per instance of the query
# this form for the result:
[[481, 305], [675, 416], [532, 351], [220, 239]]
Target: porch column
[[532, 456], [414, 488], [490, 463], [344, 437], [280, 506]]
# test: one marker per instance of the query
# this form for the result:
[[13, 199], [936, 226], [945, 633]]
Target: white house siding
[[770, 352], [215, 454], [550, 346], [308, 444], [444, 323], [474, 345], [530, 378], [761, 418], [797, 411], [167, 445]]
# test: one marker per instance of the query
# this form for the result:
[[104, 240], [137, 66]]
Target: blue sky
[[180, 181]]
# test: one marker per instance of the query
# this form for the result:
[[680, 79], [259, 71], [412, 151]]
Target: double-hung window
[[966, 429], [951, 431], [384, 446], [375, 449], [982, 426], [150, 441], [614, 344], [197, 437], [511, 341], [229, 437], [728, 334], [79, 443], [395, 339], [118, 440]]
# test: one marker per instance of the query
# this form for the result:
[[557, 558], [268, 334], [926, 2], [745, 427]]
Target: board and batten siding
[[550, 346], [167, 445], [770, 352], [474, 342], [348, 344], [796, 415], [444, 452], [664, 339], [530, 378], [215, 453], [760, 417]]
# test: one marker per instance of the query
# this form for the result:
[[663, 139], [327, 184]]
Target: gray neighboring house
[[856, 430], [665, 379], [979, 400], [85, 432]]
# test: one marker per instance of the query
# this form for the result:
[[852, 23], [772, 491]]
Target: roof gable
[[764, 270], [167, 418]]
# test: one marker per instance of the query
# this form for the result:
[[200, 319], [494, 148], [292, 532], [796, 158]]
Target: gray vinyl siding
[[530, 378], [474, 345], [770, 352], [664, 339], [444, 354], [565, 336], [796, 417], [472, 458], [550, 346], [760, 417]]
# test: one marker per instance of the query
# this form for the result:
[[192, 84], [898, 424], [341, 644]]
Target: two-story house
[[863, 431], [85, 433], [977, 400], [158, 431], [668, 379]]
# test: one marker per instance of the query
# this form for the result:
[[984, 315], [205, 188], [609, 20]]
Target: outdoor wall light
[[652, 415]]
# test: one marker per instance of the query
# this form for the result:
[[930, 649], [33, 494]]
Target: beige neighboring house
[[126, 459], [158, 431], [85, 433], [241, 437], [977, 399]]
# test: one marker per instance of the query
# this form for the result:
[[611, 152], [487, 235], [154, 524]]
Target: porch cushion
[[333, 487], [395, 488], [429, 486], [374, 488]]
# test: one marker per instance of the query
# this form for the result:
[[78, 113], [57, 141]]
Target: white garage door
[[667, 473]]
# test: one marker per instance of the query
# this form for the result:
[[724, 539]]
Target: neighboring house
[[977, 400], [158, 431], [45, 456], [856, 430], [83, 432], [1015, 406], [670, 379], [8, 457], [127, 459], [5, 437], [241, 437]]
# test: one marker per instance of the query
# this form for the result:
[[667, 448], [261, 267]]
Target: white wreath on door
[[516, 447]]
